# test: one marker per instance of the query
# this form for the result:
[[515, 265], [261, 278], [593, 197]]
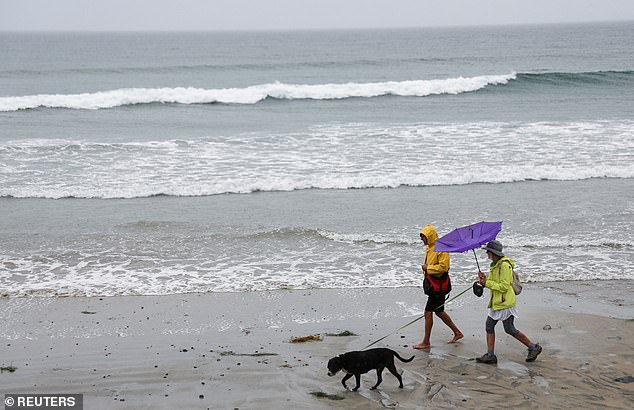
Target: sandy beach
[[234, 350]]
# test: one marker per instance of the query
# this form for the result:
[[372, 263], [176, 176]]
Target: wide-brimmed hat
[[495, 247]]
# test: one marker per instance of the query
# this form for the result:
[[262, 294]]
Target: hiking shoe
[[487, 359], [533, 353]]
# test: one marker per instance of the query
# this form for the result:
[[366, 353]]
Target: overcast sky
[[297, 14]]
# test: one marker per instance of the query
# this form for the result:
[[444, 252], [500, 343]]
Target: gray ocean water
[[157, 163]]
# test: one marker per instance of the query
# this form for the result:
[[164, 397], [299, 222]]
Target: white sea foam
[[329, 157], [251, 95], [287, 259], [241, 276]]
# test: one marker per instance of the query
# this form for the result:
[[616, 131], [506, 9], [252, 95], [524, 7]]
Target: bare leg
[[490, 342], [523, 338], [457, 334], [429, 323]]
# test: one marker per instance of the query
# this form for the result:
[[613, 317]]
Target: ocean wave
[[237, 268], [341, 157], [139, 190], [252, 94], [525, 243], [133, 260], [350, 238], [330, 91], [575, 79]]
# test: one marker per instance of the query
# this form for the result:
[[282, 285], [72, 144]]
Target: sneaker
[[533, 353], [487, 359]]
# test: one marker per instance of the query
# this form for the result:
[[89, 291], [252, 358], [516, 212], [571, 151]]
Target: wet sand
[[233, 350]]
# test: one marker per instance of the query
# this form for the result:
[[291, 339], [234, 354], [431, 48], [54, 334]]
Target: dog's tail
[[403, 360]]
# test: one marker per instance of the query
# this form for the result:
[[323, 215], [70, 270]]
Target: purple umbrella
[[468, 238]]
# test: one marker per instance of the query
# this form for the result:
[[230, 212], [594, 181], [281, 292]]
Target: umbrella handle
[[476, 258]]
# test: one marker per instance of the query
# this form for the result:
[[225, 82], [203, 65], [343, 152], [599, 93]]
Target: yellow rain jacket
[[437, 262], [499, 281]]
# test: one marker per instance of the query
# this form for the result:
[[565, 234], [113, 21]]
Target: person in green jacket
[[502, 304]]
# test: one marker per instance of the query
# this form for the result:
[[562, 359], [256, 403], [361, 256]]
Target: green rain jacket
[[499, 281]]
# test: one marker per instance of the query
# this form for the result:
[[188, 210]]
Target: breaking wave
[[252, 94], [330, 91], [352, 156]]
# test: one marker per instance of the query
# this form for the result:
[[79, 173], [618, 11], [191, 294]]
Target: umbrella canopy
[[468, 237]]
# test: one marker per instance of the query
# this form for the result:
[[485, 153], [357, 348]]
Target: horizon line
[[319, 29]]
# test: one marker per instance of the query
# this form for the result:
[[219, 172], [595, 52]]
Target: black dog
[[357, 363]]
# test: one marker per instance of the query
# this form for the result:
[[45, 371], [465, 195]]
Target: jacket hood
[[430, 233], [509, 260]]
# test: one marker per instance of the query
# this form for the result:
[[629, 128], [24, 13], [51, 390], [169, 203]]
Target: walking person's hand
[[482, 278]]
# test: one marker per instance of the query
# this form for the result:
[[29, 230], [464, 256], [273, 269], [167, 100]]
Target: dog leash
[[417, 319]]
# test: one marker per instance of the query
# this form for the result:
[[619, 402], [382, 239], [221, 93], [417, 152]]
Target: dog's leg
[[343, 381], [393, 370], [357, 377], [379, 378]]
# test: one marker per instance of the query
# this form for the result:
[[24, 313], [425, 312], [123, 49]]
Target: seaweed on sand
[[321, 394], [310, 338]]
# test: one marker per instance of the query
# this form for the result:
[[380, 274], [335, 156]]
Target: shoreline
[[233, 350], [91, 247]]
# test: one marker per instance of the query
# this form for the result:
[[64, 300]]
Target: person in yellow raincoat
[[435, 263], [502, 304]]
